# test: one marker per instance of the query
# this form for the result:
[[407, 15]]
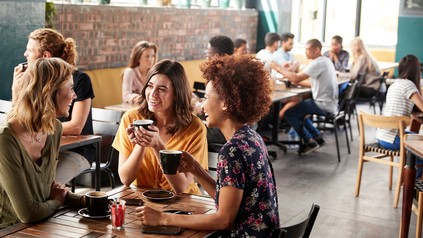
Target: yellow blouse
[[192, 139]]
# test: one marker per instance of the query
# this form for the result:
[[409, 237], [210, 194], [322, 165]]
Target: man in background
[[283, 56]]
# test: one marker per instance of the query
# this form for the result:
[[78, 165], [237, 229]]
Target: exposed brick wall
[[105, 34]]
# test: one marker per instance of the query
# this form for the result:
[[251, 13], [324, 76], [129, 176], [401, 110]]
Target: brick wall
[[105, 34]]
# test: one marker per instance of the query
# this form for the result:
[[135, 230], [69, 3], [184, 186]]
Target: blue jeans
[[295, 117], [396, 146]]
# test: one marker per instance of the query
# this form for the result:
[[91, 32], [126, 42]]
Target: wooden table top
[[415, 146], [67, 223], [384, 66], [70, 142]]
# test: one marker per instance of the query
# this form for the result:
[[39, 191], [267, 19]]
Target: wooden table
[[415, 151], [123, 107], [386, 66], [67, 223], [70, 142], [278, 98]]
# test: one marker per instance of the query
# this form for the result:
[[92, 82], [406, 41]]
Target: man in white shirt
[[272, 43], [324, 89], [283, 56]]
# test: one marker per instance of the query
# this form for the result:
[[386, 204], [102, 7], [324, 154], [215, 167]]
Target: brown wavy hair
[[139, 48], [35, 107], [242, 83], [182, 102], [52, 41], [409, 68]]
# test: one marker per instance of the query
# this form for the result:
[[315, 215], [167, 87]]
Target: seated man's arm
[[79, 116], [291, 76]]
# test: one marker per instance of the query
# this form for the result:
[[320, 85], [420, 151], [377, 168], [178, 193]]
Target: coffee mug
[[143, 123], [97, 203], [170, 160]]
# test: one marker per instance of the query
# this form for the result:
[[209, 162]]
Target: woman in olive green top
[[29, 143]]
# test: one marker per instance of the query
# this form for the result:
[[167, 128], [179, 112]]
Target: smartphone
[[162, 230], [133, 201], [24, 66]]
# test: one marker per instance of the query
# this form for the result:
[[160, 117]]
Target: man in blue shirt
[[283, 56]]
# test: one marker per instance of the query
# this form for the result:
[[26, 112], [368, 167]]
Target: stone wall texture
[[106, 34]]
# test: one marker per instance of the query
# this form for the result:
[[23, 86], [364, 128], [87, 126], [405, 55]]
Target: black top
[[84, 90]]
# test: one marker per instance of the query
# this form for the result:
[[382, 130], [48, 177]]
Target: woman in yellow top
[[165, 100]]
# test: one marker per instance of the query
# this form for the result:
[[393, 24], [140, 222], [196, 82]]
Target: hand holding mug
[[58, 193], [187, 163]]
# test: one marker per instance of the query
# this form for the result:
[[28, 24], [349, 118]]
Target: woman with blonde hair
[[364, 63], [166, 101], [29, 143], [237, 95], [143, 57], [46, 43]]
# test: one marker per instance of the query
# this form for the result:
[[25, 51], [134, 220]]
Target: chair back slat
[[385, 122], [5, 106], [105, 115]]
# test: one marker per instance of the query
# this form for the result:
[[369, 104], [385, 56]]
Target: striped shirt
[[398, 103]]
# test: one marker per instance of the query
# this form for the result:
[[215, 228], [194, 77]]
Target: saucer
[[158, 195], [84, 213]]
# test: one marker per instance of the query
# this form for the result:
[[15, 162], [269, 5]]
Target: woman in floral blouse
[[237, 95]]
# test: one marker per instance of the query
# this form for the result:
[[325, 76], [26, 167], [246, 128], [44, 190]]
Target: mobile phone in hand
[[162, 230], [133, 201], [24, 66]]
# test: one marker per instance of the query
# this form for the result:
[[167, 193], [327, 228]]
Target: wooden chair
[[372, 152], [301, 229], [106, 124]]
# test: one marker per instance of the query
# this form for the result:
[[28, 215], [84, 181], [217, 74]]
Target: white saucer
[[84, 213]]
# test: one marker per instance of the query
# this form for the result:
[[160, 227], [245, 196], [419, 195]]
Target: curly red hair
[[242, 83]]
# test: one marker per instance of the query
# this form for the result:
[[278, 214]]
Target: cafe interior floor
[[319, 178]]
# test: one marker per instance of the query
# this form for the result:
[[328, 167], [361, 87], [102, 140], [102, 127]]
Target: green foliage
[[50, 14]]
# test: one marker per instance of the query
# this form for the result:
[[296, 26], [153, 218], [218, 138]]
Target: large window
[[323, 19]]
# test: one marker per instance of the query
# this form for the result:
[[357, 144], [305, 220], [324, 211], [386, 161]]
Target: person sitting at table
[[45, 43], [271, 40], [218, 46], [283, 56], [401, 97], [134, 77], [324, 89], [337, 54], [365, 63], [240, 47], [245, 190], [30, 142], [165, 100]]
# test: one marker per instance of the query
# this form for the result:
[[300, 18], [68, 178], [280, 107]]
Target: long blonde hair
[[36, 104], [359, 49]]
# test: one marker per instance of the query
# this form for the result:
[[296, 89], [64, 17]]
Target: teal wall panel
[[410, 37], [17, 20], [268, 22]]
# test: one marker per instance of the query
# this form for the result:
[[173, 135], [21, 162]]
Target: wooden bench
[[107, 83]]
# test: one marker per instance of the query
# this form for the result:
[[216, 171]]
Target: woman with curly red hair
[[237, 95]]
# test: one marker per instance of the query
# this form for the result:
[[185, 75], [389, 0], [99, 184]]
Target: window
[[323, 19]]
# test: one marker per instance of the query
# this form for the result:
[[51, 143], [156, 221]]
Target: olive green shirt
[[24, 185]]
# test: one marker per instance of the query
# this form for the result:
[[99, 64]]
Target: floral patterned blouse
[[244, 163]]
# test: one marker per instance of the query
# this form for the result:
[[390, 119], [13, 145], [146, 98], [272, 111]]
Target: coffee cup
[[143, 123], [170, 160], [97, 203]]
